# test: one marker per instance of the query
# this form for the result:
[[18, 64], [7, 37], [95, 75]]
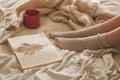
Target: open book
[[34, 50]]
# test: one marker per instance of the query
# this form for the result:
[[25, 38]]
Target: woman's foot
[[79, 44], [93, 30]]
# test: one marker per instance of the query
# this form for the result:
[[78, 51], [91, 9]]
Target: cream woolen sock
[[92, 30], [78, 44]]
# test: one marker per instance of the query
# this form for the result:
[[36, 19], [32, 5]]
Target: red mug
[[32, 19]]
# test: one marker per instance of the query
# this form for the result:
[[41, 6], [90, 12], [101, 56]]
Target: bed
[[102, 64]]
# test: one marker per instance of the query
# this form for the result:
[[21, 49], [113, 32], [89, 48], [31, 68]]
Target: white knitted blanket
[[103, 64]]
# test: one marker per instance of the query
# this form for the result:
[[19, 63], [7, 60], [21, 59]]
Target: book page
[[34, 50]]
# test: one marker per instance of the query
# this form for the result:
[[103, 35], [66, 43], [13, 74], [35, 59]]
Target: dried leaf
[[29, 48]]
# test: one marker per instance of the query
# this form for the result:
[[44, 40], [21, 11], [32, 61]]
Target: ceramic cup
[[32, 19]]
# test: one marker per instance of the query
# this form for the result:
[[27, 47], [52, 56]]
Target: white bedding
[[103, 64]]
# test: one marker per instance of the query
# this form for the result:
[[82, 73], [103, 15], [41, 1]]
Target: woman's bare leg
[[101, 28], [111, 24], [113, 37], [104, 40]]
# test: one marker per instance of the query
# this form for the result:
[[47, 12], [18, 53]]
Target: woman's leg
[[111, 24], [101, 28], [98, 41], [113, 37]]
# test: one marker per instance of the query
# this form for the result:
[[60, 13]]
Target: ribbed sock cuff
[[98, 28], [102, 40]]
